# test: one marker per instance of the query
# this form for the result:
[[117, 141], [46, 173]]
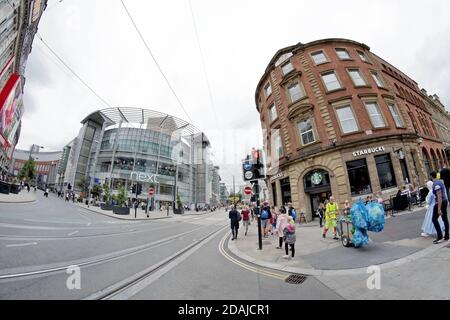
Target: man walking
[[331, 211], [440, 208], [265, 218], [234, 221]]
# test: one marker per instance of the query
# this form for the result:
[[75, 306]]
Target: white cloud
[[238, 39]]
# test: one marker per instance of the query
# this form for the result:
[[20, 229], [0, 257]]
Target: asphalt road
[[176, 258]]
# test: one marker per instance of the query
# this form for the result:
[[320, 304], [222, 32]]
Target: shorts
[[330, 224], [264, 223]]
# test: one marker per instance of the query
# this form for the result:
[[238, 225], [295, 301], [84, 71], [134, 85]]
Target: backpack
[[294, 214], [264, 214]]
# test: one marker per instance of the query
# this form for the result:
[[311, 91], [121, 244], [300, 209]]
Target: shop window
[[274, 194], [385, 171], [358, 176], [285, 191]]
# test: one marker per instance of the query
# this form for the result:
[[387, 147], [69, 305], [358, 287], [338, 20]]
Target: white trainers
[[423, 234], [286, 257]]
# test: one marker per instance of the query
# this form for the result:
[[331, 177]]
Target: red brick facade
[[388, 109]]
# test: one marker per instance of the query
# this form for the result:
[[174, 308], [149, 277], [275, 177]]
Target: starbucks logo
[[316, 178]]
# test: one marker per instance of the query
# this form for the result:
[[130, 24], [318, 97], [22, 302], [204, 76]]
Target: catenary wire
[[72, 71], [155, 61]]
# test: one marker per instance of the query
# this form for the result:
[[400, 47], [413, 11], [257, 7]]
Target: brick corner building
[[337, 119]]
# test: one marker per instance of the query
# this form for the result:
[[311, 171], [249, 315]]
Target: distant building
[[46, 165], [215, 199], [224, 194]]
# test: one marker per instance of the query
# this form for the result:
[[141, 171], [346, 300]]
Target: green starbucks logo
[[316, 178]]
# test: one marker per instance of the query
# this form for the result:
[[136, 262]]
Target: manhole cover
[[296, 279]]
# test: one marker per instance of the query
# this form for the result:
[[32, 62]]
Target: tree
[[107, 194], [122, 196], [28, 172], [96, 190], [83, 184], [179, 203]]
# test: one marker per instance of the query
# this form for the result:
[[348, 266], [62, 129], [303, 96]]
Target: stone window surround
[[340, 103], [390, 101], [298, 136], [290, 84], [358, 51], [383, 82], [311, 54], [268, 84], [371, 99], [361, 73], [289, 61], [276, 129], [272, 105], [337, 77], [346, 50]]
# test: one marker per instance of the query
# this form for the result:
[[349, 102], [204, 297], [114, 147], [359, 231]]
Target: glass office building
[[127, 146]]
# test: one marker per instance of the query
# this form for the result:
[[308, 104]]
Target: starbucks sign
[[316, 178]]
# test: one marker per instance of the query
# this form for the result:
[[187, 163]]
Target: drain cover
[[296, 279]]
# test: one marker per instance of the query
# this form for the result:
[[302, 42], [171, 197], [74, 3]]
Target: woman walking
[[289, 238], [321, 213], [282, 221], [273, 220], [428, 228], [234, 222]]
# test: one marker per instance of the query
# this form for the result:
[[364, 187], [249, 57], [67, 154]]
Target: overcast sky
[[238, 38]]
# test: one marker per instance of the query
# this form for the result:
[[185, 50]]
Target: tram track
[[130, 286]]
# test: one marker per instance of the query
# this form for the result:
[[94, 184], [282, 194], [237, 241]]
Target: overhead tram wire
[[208, 83], [155, 61], [72, 71]]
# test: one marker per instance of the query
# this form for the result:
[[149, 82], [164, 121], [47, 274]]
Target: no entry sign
[[151, 191], [248, 190]]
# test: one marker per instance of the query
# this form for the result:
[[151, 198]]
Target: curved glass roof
[[149, 119]]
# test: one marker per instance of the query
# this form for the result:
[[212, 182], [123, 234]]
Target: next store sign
[[368, 151]]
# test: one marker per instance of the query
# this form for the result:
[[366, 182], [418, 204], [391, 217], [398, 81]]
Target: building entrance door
[[318, 188]]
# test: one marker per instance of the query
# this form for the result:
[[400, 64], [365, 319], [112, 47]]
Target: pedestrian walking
[[46, 192], [292, 212], [331, 210], [440, 208], [428, 228], [273, 220], [282, 221], [245, 214], [234, 217], [321, 213], [289, 238], [265, 218]]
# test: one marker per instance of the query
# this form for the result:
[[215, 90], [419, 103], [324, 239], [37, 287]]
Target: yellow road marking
[[245, 266]]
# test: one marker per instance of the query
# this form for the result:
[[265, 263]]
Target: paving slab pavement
[[398, 244], [22, 197], [141, 215]]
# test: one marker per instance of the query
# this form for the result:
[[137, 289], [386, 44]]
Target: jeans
[[444, 219]]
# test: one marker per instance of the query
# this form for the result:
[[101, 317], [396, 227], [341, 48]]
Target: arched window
[[426, 162]]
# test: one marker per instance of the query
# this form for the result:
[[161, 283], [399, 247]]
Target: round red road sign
[[151, 191], [248, 190]]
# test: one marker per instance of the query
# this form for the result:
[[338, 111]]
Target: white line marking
[[21, 244], [72, 233], [89, 224]]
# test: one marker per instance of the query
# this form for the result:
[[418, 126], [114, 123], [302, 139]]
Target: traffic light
[[139, 189], [253, 166], [133, 189]]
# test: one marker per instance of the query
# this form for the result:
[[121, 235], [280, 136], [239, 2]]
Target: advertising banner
[[10, 96]]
